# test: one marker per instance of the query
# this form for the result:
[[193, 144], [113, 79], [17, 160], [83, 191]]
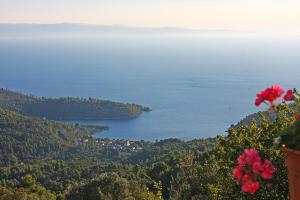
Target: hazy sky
[[228, 14]]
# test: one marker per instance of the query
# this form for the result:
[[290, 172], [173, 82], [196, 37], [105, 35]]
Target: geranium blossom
[[238, 173], [268, 170], [269, 95], [250, 168], [249, 156], [250, 185], [257, 167]]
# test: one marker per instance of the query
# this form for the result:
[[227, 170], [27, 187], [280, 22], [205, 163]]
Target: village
[[111, 144]]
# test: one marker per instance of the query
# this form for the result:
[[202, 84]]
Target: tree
[[29, 190], [110, 186]]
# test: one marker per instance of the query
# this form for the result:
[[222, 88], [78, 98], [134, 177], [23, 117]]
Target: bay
[[196, 86]]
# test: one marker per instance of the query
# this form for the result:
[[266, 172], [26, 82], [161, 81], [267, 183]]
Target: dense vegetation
[[28, 189], [26, 139], [42, 159], [68, 108], [49, 151]]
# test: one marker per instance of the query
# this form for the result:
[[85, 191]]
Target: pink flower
[[289, 96]]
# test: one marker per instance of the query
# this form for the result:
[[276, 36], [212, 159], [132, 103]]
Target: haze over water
[[197, 86]]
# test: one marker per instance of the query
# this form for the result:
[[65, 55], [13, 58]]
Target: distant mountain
[[69, 29], [67, 108]]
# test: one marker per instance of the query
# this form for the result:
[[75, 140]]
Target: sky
[[279, 15]]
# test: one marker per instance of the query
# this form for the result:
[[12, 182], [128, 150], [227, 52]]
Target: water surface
[[196, 86]]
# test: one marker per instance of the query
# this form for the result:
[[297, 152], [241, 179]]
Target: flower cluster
[[290, 103], [251, 169], [269, 95]]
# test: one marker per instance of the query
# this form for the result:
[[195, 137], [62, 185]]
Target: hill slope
[[67, 108], [26, 139]]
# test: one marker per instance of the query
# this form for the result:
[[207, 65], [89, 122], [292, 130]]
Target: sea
[[196, 85]]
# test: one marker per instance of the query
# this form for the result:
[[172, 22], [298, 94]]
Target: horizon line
[[130, 26]]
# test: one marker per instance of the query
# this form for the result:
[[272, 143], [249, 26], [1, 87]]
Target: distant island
[[75, 29], [68, 108]]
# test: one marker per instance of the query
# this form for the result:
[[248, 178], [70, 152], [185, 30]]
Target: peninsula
[[68, 108]]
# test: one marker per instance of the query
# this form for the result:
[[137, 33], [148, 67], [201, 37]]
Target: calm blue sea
[[197, 86]]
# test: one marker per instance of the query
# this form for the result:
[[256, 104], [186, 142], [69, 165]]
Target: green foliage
[[110, 187], [165, 149], [186, 184], [58, 176], [290, 137], [28, 190], [168, 169], [216, 174]]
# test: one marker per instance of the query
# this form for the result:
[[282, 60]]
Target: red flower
[[249, 184], [249, 169], [242, 160], [268, 170], [269, 94], [249, 156], [257, 167], [238, 173], [289, 96], [247, 177], [258, 101]]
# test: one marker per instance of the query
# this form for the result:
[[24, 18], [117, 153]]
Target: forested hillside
[[43, 159], [48, 164], [68, 108], [26, 139], [64, 161]]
